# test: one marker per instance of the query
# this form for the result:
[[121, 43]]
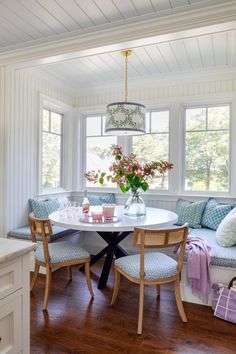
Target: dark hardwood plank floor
[[74, 324]]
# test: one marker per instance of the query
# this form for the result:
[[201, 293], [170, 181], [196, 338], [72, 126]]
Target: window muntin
[[51, 150], [207, 148], [98, 152], [154, 145]]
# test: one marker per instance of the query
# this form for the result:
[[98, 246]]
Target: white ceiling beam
[[220, 16]]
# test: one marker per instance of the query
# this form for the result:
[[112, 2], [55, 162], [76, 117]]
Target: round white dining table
[[113, 232]]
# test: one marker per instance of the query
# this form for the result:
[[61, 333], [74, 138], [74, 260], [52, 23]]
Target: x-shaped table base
[[113, 249]]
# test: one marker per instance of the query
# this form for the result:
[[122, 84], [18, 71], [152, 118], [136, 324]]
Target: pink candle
[[97, 215], [108, 211]]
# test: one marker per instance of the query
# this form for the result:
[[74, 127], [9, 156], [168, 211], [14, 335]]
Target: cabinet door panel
[[10, 278], [11, 324]]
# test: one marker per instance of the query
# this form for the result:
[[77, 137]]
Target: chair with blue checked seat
[[56, 254], [154, 268]]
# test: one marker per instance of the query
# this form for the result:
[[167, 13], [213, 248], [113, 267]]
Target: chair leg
[[35, 276], [116, 286], [179, 301], [88, 279], [158, 290], [69, 268], [140, 313], [47, 287]]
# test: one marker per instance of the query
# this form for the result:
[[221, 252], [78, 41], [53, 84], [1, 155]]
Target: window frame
[[84, 148], [150, 111], [48, 103], [50, 110], [201, 192], [125, 142]]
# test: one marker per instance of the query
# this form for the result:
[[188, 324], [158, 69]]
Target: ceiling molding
[[212, 16], [163, 80]]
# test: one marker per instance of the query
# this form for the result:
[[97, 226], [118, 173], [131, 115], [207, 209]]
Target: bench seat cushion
[[23, 233], [222, 256]]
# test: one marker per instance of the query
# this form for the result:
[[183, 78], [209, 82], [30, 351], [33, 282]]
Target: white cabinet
[[10, 320], [14, 296]]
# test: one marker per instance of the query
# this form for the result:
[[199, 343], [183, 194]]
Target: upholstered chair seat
[[62, 251], [156, 266]]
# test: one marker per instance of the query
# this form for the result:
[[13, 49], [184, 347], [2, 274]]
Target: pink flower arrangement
[[128, 172]]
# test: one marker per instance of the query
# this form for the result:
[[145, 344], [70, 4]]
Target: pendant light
[[125, 118]]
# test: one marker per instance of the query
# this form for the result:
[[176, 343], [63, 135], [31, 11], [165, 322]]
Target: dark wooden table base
[[113, 249]]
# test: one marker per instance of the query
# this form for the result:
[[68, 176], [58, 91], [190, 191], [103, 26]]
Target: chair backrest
[[162, 238], [43, 229]]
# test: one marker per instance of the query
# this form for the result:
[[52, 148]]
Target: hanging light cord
[[126, 53], [126, 76]]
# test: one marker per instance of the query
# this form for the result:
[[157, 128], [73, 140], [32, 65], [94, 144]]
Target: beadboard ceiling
[[196, 54], [28, 24], [25, 22]]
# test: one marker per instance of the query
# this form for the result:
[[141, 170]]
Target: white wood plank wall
[[19, 134]]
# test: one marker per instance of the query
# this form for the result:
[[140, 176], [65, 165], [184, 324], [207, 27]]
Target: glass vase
[[135, 205]]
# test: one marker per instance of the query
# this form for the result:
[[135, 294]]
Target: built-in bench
[[23, 233]]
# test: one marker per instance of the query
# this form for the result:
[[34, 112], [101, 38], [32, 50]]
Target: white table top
[[154, 218]]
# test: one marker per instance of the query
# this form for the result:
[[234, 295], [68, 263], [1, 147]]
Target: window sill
[[56, 191]]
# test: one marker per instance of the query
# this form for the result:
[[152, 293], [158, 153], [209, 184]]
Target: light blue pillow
[[214, 213], [190, 212], [109, 198], [42, 208]]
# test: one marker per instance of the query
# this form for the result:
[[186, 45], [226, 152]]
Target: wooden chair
[[58, 254], [154, 268]]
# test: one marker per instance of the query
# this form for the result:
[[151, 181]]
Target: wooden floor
[[75, 324]]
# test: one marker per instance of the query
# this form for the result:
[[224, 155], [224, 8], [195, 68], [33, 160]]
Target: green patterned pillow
[[190, 212], [108, 198], [215, 213], [42, 208]]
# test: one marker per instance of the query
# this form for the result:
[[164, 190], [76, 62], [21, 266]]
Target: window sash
[[49, 131], [185, 131]]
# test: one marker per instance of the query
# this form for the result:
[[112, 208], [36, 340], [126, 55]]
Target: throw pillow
[[109, 198], [42, 208], [226, 232], [214, 213], [190, 212]]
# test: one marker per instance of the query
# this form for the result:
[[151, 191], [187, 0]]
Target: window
[[154, 145], [98, 152], [51, 149], [207, 138]]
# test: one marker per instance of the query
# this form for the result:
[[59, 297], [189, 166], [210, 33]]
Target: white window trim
[[46, 102], [176, 145], [124, 141], [206, 193]]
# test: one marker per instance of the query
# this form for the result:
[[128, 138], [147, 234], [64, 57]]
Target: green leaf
[[103, 174], [117, 157], [101, 180], [130, 176], [144, 186], [127, 188], [136, 181], [122, 188]]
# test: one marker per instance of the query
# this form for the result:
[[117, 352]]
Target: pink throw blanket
[[198, 267]]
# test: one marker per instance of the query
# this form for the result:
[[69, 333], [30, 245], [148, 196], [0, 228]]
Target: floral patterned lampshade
[[125, 118]]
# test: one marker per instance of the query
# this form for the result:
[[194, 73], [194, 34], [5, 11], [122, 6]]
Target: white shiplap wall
[[19, 155], [2, 146]]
